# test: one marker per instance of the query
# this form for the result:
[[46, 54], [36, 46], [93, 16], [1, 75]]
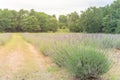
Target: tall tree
[[53, 24], [43, 20], [20, 16], [62, 21], [5, 19], [91, 20], [72, 21], [30, 24], [111, 19]]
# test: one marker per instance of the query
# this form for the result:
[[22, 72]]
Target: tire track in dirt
[[44, 62]]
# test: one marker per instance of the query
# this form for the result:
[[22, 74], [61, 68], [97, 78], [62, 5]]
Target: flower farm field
[[59, 56]]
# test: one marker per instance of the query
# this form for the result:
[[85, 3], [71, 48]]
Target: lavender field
[[59, 56], [85, 56]]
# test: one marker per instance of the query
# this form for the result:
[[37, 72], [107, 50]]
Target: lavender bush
[[4, 37]]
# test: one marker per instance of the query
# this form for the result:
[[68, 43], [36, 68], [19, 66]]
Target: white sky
[[56, 7]]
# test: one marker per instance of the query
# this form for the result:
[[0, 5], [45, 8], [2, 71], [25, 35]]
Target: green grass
[[63, 31]]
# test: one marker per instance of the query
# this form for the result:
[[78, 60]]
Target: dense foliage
[[99, 20], [26, 21], [93, 20]]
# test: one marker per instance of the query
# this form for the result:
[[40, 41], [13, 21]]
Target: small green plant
[[107, 43], [117, 44], [44, 48], [85, 63]]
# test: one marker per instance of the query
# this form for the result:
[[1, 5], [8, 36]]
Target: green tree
[[62, 21], [30, 24], [13, 23], [118, 27], [5, 20], [73, 21], [91, 20], [53, 24], [43, 20], [20, 16], [112, 17]]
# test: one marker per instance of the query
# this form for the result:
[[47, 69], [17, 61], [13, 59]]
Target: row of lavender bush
[[4, 37], [82, 54]]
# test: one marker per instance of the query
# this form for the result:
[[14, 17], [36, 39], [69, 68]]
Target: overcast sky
[[53, 6]]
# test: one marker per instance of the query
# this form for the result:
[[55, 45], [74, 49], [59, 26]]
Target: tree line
[[93, 20], [100, 20], [26, 21]]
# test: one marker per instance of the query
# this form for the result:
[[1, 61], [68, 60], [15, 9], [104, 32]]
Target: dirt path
[[116, 65], [114, 72], [19, 60]]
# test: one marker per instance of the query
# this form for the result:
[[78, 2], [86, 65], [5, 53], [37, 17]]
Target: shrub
[[117, 44], [4, 37], [107, 43], [44, 47], [85, 63], [104, 43]]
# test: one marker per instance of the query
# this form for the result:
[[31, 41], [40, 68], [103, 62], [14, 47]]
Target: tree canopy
[[93, 20], [26, 21]]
